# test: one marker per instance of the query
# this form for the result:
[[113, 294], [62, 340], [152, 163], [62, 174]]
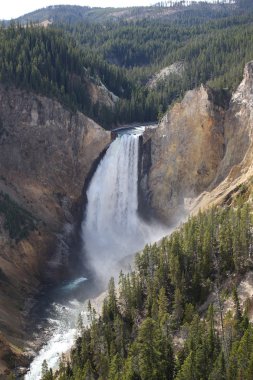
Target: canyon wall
[[46, 153], [235, 171], [185, 152], [200, 151]]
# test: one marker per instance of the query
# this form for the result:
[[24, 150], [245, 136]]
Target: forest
[[153, 324], [60, 61]]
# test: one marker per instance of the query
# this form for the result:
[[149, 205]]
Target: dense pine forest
[[154, 325], [60, 61], [213, 53]]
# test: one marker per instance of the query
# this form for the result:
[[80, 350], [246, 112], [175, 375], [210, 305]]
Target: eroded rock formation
[[186, 150], [46, 152], [236, 168], [200, 152]]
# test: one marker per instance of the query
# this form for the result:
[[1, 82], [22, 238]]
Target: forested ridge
[[47, 62], [152, 326], [60, 61], [201, 11], [213, 53]]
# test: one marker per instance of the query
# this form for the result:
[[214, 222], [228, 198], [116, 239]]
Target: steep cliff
[[46, 153], [186, 150], [201, 152], [235, 170]]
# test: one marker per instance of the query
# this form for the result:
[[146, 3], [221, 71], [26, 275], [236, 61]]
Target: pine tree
[[115, 371], [187, 370], [162, 304]]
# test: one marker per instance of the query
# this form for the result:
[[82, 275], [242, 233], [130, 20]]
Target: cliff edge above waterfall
[[46, 153], [202, 146]]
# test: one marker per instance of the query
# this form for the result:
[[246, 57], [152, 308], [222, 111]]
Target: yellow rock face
[[200, 152], [186, 150]]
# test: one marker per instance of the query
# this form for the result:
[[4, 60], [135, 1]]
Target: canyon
[[199, 155]]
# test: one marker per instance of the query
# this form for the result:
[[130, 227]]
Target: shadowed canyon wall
[[46, 153]]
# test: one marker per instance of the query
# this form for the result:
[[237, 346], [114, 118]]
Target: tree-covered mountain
[[123, 57], [51, 63], [176, 10], [214, 53]]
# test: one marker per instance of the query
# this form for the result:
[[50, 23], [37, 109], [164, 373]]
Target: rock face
[[186, 150], [236, 168], [238, 124], [46, 153], [201, 152], [176, 69]]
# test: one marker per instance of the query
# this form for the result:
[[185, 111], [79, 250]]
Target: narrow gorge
[[111, 232], [170, 170]]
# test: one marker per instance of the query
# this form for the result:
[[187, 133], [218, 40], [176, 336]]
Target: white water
[[112, 228], [62, 334], [111, 231]]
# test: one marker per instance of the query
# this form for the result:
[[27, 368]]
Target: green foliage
[[17, 221], [47, 373], [44, 61], [49, 62], [214, 52], [133, 338], [63, 61]]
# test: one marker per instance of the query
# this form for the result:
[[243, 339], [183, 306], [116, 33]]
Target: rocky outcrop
[[201, 152], [46, 153], [174, 70], [186, 150]]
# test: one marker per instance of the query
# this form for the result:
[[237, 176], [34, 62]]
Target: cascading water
[[111, 231], [112, 228]]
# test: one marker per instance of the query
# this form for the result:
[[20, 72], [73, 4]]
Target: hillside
[[74, 14], [104, 70], [50, 63], [156, 327]]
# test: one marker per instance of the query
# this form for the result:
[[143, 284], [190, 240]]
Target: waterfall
[[111, 230]]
